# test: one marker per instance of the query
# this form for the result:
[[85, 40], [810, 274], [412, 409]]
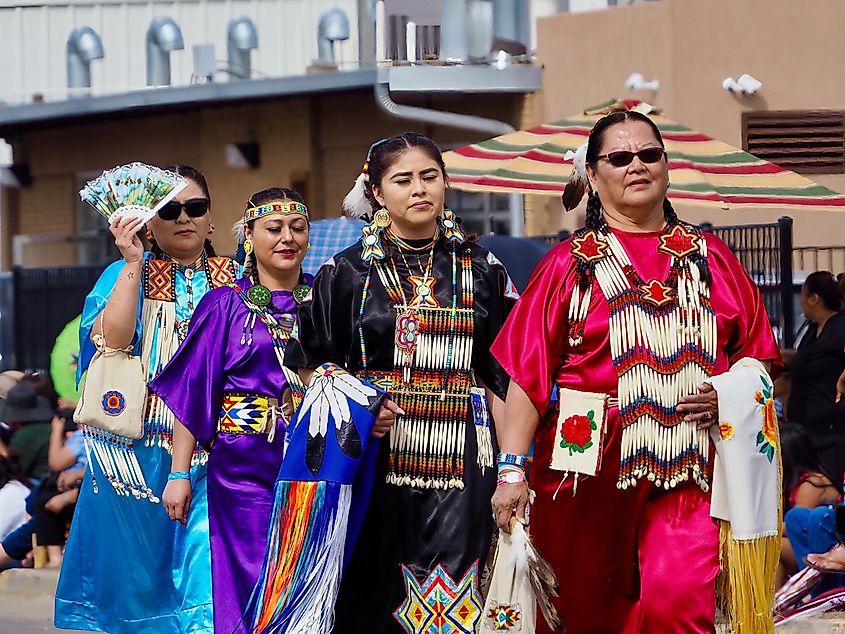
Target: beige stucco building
[[795, 49]]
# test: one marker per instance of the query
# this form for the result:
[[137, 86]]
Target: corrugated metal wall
[[33, 37]]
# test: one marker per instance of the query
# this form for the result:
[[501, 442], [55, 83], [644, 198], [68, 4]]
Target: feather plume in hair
[[356, 204], [574, 190], [238, 230]]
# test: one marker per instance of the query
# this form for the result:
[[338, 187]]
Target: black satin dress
[[413, 540]]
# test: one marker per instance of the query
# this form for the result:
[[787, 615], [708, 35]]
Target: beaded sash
[[663, 345]]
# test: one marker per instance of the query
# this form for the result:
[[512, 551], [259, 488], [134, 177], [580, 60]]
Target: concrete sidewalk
[[26, 601]]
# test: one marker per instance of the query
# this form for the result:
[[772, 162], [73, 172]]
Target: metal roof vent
[[163, 37], [333, 27], [83, 45], [243, 37]]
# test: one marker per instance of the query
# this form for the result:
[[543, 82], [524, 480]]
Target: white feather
[[579, 161], [356, 204], [238, 230]]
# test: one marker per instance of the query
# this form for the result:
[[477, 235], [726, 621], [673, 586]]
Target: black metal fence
[[43, 302]]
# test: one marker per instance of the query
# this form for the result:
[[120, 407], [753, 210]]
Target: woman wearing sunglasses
[[127, 565], [241, 397], [628, 319]]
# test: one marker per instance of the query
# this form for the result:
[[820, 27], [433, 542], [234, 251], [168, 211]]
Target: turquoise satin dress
[[128, 568]]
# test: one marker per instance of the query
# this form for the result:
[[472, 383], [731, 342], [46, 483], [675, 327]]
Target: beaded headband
[[284, 208]]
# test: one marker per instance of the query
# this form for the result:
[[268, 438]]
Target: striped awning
[[702, 170]]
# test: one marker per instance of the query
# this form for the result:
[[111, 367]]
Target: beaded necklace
[[663, 346], [280, 331], [432, 376]]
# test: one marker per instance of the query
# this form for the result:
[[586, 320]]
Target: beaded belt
[[247, 414], [425, 383]]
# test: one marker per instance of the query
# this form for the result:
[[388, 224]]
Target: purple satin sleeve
[[192, 384]]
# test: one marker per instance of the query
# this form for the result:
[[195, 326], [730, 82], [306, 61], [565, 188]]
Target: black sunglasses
[[195, 208], [624, 158]]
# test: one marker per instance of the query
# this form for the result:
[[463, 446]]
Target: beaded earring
[[248, 246]]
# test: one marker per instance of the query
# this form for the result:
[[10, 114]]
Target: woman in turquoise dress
[[127, 567]]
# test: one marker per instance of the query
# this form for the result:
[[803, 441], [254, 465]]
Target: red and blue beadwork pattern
[[114, 403]]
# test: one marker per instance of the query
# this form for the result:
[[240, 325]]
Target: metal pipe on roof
[[163, 37], [333, 27], [453, 31], [242, 38], [512, 21], [453, 120], [367, 32], [83, 45]]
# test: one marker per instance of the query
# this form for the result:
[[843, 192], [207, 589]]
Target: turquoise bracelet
[[179, 475]]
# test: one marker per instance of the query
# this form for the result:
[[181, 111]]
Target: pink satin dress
[[644, 559]]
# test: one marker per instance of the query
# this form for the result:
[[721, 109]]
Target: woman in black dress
[[815, 368], [413, 308]]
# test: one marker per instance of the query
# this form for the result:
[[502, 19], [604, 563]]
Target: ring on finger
[[708, 415]]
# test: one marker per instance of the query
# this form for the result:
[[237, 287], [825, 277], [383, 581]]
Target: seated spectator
[[57, 495], [29, 415], [809, 495], [14, 490]]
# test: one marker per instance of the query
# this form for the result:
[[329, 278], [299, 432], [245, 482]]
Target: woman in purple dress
[[228, 390]]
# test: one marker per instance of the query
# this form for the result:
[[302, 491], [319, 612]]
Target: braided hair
[[595, 218], [270, 194]]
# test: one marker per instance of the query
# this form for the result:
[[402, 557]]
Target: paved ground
[[26, 601], [26, 607]]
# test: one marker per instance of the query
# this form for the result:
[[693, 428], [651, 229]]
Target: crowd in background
[[42, 463]]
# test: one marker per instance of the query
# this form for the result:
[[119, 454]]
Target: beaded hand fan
[[134, 190]]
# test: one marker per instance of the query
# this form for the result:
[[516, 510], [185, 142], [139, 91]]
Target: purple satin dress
[[241, 468]]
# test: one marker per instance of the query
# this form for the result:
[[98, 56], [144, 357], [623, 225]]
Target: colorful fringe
[[427, 442], [300, 578]]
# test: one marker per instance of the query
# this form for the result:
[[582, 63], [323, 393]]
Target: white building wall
[[33, 38]]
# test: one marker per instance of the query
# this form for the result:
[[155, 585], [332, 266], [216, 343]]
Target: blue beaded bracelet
[[179, 475], [519, 460]]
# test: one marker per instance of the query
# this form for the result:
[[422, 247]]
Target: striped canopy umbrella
[[702, 170]]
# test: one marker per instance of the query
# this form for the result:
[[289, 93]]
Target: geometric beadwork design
[[656, 292], [440, 605], [245, 414], [589, 247], [679, 242], [113, 403], [158, 280], [504, 617], [222, 271]]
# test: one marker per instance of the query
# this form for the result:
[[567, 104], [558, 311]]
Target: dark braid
[[669, 213], [250, 265], [595, 217], [158, 254]]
